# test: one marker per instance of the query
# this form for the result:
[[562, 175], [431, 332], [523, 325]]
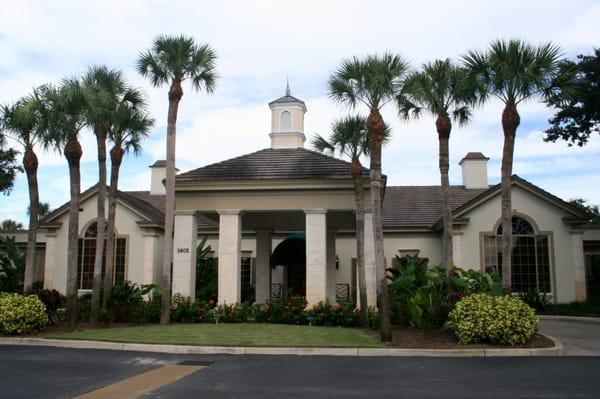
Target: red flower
[[322, 314], [211, 302], [339, 306]]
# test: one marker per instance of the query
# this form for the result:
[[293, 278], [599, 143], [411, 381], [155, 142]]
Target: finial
[[287, 88]]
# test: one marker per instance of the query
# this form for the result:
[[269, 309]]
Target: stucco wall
[[126, 227], [546, 216]]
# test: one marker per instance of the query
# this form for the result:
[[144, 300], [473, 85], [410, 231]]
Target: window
[[286, 121], [246, 271], [530, 256], [87, 254]]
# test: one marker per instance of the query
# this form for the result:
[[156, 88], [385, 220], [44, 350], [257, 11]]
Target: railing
[[277, 291], [342, 292]]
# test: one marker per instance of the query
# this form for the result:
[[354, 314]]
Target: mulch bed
[[407, 337]]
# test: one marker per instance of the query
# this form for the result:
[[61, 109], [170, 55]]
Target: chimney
[[474, 170], [159, 172]]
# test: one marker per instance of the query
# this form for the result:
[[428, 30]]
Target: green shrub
[[84, 303], [235, 313], [21, 314], [12, 266], [127, 303], [52, 299], [495, 319], [290, 312], [185, 310], [341, 314]]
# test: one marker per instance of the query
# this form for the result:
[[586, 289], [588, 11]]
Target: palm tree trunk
[[116, 156], [376, 129], [444, 127], [359, 196], [175, 93], [100, 222], [510, 122], [73, 154], [30, 163]]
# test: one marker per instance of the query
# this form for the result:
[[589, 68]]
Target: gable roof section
[[532, 188], [420, 206], [274, 164]]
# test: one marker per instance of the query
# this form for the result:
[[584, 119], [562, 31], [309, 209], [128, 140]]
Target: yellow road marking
[[140, 384]]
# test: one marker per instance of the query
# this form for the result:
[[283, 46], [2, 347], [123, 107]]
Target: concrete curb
[[570, 318], [557, 350]]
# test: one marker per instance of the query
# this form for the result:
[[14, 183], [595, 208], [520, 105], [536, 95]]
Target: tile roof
[[420, 206], [287, 99], [274, 164]]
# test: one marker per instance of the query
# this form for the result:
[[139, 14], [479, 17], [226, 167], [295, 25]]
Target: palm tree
[[21, 122], [63, 116], [130, 125], [104, 88], [513, 71], [444, 91], [373, 81], [173, 60], [349, 137], [43, 210]]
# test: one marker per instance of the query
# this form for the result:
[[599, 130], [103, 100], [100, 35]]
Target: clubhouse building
[[282, 220]]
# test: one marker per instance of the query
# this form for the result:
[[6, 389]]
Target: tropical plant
[[350, 139], [537, 300], [52, 300], [43, 210], [444, 91], [130, 125], [173, 60], [21, 121], [513, 71], [62, 117], [373, 81], [500, 320], [471, 281], [12, 266]]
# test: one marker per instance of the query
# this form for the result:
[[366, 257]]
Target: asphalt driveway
[[580, 338]]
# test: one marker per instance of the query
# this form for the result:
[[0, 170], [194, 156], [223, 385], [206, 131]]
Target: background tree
[[513, 71], [578, 115], [10, 225], [350, 139], [63, 116], [373, 81], [444, 91], [43, 210], [173, 60], [8, 166], [105, 89], [592, 211], [21, 122], [130, 126]]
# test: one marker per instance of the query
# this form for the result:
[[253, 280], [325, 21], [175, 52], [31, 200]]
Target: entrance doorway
[[291, 254]]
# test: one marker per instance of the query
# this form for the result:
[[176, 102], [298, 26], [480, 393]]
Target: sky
[[261, 43]]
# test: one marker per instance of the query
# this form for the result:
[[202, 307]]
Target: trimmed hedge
[[21, 314], [500, 320]]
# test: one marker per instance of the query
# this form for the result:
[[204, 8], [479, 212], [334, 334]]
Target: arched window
[[285, 122], [530, 256], [87, 255]]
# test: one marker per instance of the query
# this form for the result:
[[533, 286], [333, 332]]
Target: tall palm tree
[[513, 71], [104, 88], [130, 125], [21, 122], [444, 91], [373, 81], [349, 137], [63, 116], [173, 60]]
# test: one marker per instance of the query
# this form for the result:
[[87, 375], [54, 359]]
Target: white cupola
[[287, 121], [474, 170]]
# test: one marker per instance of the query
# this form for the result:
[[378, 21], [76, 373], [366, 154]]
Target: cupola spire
[[288, 92]]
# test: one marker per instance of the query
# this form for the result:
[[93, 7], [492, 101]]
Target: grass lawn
[[244, 334]]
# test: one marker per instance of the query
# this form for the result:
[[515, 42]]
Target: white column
[[331, 252], [49, 261], [370, 270], [578, 265], [457, 248], [263, 266], [316, 256], [230, 249], [150, 244], [185, 234]]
